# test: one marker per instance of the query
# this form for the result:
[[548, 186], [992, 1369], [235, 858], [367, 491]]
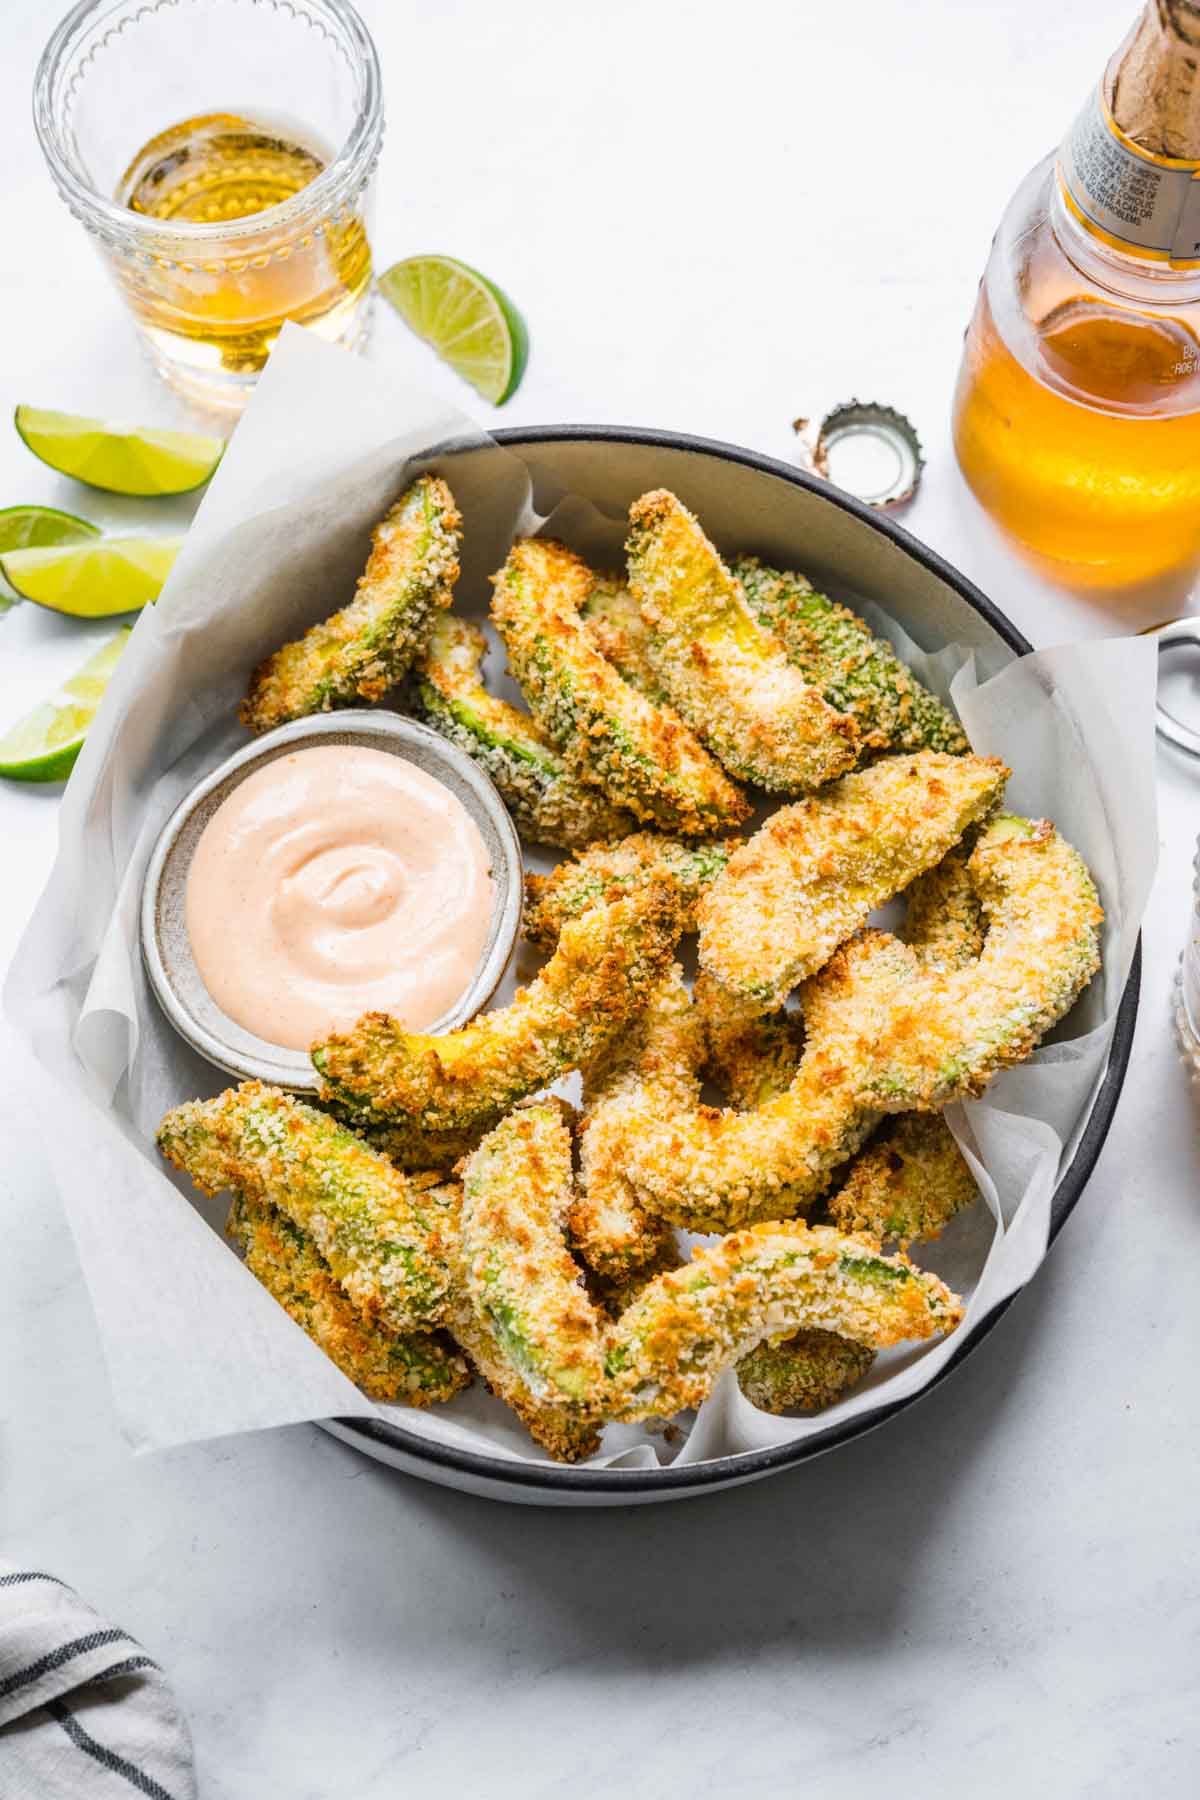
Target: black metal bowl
[[794, 520]]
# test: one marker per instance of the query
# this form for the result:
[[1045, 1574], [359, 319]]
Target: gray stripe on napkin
[[107, 1759], [83, 1708]]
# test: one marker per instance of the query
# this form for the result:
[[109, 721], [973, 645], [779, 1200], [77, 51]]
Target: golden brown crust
[[548, 803], [753, 1055], [643, 756], [653, 1063], [419, 1368], [606, 962], [604, 872], [815, 871], [907, 1184], [383, 1234], [713, 1170], [803, 1373], [727, 676], [957, 1025], [667, 1349], [521, 1279], [364, 649]]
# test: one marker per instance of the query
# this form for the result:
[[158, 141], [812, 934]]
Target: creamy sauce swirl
[[334, 881]]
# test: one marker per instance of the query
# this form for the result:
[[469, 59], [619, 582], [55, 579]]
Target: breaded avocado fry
[[605, 965], [907, 1181], [943, 920], [566, 1435], [366, 647], [753, 1055], [548, 803], [642, 756], [906, 1184], [809, 878], [383, 1235], [714, 1170], [521, 1279], [618, 630], [607, 871], [729, 679], [653, 1063], [805, 1372], [411, 1146], [667, 1349], [857, 672], [419, 1367], [960, 1025]]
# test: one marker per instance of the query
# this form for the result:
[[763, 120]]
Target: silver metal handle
[[1172, 637]]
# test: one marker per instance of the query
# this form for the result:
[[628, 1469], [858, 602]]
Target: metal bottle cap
[[867, 449]]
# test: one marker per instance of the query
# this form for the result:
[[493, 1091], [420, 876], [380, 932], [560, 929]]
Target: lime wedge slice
[[121, 460], [30, 527], [471, 324], [89, 581], [44, 744]]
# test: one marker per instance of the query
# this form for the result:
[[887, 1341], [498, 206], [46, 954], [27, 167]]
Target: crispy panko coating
[[548, 803], [606, 963], [411, 1146], [521, 1279], [753, 1055], [613, 1293], [614, 619], [808, 879], [420, 1367], [607, 871], [805, 1372], [857, 672], [912, 1178], [642, 756], [729, 679], [568, 1436], [957, 1026], [366, 647], [653, 1064], [383, 1235], [667, 1349], [907, 1184], [943, 919], [714, 1170]]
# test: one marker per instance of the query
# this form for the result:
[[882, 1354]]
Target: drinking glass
[[210, 297]]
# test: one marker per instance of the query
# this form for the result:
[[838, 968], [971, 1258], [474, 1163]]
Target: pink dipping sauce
[[336, 881]]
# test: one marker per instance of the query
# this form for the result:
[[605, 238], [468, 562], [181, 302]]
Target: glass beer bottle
[[1077, 411]]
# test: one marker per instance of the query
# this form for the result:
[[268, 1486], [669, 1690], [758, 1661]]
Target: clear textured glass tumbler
[[220, 155]]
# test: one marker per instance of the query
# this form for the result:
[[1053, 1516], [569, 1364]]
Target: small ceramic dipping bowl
[[167, 949]]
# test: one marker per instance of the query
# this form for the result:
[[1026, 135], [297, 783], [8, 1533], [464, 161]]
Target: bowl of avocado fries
[[713, 764]]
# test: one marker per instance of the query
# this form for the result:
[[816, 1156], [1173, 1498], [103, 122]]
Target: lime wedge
[[29, 527], [471, 324], [121, 460], [89, 581], [44, 744]]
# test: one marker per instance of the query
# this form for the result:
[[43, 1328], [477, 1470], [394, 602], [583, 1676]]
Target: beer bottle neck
[[1129, 168]]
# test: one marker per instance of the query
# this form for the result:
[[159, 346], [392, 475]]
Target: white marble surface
[[714, 219]]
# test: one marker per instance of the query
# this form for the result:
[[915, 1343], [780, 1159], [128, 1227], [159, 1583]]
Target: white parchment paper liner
[[195, 1348]]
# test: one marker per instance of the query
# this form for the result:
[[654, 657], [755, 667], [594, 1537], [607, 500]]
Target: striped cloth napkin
[[84, 1712]]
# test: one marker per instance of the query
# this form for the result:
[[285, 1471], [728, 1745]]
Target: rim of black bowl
[[551, 1478]]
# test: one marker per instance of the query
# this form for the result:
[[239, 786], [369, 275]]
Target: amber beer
[[228, 311], [1077, 411]]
